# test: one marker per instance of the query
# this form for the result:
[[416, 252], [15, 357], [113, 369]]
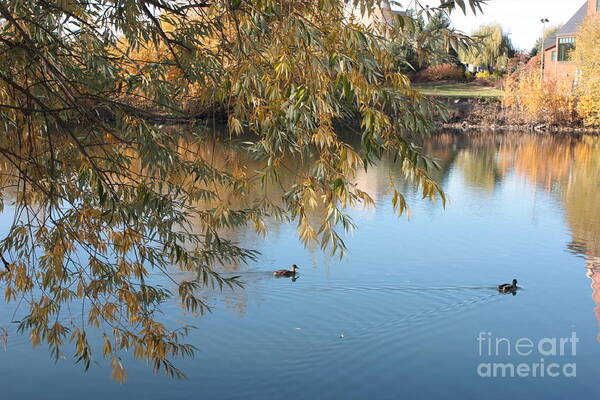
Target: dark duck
[[508, 287], [284, 273]]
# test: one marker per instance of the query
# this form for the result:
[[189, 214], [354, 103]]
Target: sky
[[521, 18]]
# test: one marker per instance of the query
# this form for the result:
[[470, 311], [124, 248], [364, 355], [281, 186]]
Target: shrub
[[551, 102], [588, 57], [469, 76], [483, 76], [443, 72], [488, 76]]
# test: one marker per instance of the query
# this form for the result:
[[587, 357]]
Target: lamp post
[[544, 21]]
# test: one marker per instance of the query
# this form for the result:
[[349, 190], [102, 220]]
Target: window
[[565, 46], [554, 55], [597, 5]]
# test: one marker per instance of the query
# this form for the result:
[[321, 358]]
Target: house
[[556, 62], [474, 68]]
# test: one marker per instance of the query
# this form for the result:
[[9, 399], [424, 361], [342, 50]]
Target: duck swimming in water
[[508, 288], [287, 273]]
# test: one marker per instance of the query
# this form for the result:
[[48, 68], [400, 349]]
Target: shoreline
[[466, 126], [469, 114]]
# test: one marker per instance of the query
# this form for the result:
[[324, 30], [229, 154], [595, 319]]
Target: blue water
[[410, 298]]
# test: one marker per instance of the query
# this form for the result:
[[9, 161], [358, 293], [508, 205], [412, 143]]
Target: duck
[[287, 273], [508, 287]]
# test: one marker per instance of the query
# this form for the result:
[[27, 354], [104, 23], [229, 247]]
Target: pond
[[412, 310]]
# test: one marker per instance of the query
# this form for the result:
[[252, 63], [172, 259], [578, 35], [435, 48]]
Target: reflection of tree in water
[[444, 148], [582, 196], [568, 168], [479, 168]]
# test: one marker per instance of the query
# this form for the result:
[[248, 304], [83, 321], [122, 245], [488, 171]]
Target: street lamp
[[544, 21]]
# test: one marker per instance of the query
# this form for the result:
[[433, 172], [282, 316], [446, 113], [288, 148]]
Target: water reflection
[[411, 295], [566, 168]]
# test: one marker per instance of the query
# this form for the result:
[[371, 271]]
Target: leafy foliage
[[493, 50], [104, 197], [443, 72], [549, 101], [488, 77], [427, 40], [587, 56]]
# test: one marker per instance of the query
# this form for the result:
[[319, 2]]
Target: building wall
[[558, 70], [592, 7], [564, 70], [549, 65]]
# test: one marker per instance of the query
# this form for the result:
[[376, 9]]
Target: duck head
[[514, 282], [295, 267]]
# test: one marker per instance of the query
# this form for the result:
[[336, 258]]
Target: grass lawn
[[445, 89]]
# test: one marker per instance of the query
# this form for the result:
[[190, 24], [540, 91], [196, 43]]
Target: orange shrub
[[443, 72], [537, 101], [587, 56]]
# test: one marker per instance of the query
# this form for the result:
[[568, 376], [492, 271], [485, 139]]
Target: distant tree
[[429, 40], [547, 33], [493, 48]]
